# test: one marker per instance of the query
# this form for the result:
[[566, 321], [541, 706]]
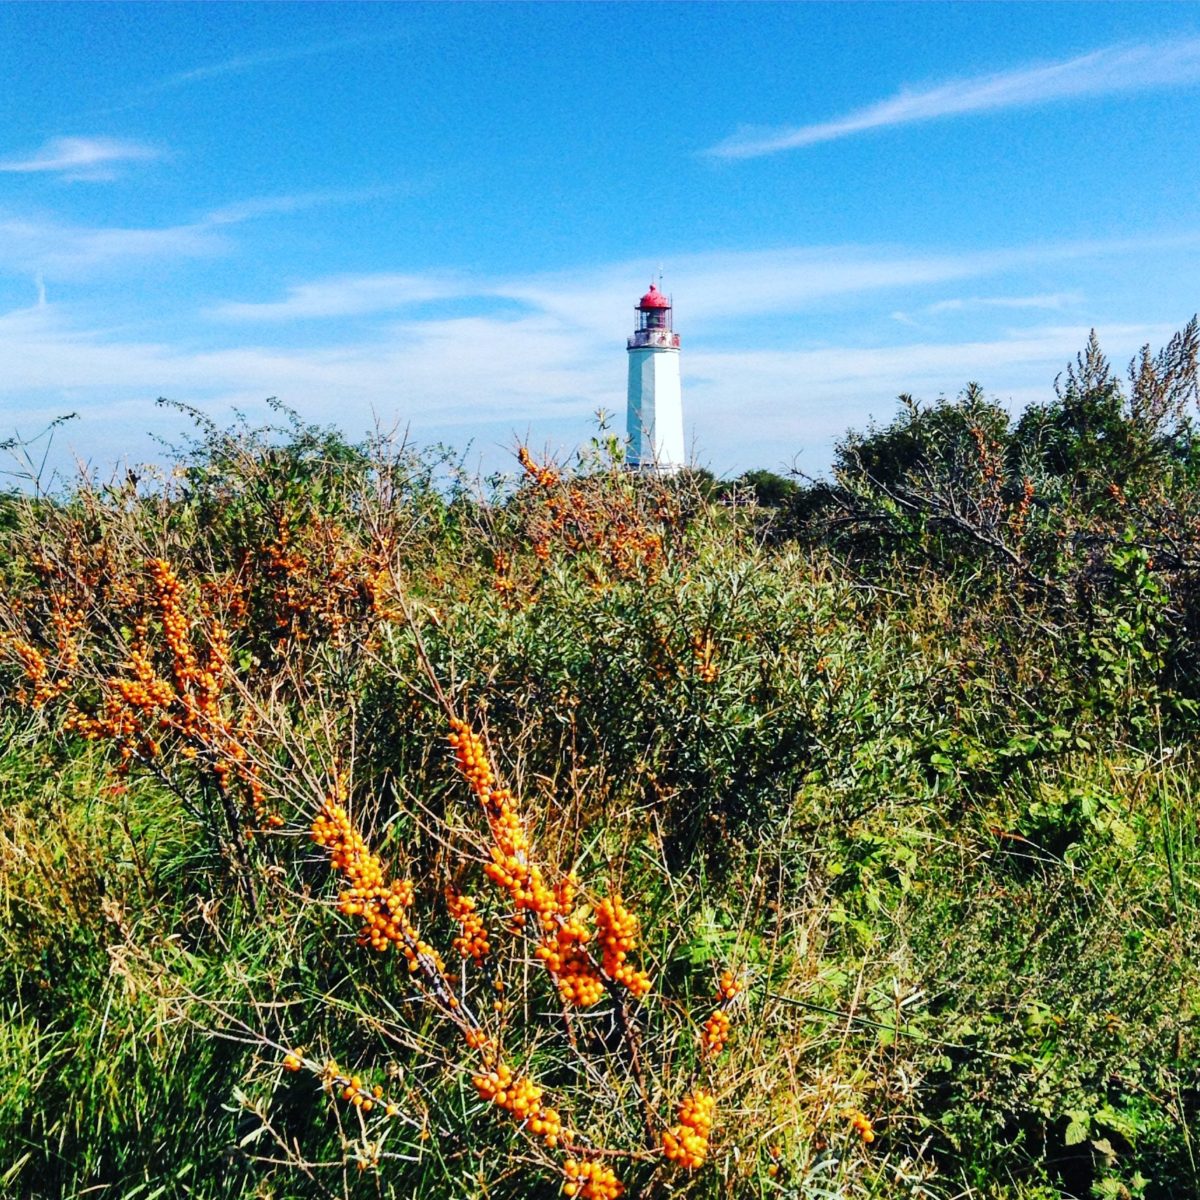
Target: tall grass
[[950, 871]]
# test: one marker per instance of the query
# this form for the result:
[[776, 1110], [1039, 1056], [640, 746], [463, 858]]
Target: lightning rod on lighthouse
[[655, 406]]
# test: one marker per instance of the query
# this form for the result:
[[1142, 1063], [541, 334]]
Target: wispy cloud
[[492, 377], [1113, 69], [263, 206], [240, 64], [718, 287], [769, 403], [343, 296], [43, 246], [543, 352], [1046, 302], [483, 374], [86, 158], [1051, 301], [53, 249], [266, 58]]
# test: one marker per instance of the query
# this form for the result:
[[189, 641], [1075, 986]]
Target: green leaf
[[1079, 1127], [1120, 1121]]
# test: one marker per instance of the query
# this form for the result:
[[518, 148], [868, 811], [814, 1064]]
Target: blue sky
[[442, 215]]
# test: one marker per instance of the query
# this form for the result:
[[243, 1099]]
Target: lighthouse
[[655, 411]]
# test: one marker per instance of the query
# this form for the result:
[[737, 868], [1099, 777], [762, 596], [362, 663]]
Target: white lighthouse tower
[[655, 413]]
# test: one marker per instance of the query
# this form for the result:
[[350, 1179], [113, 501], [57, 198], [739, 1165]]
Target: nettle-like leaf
[[1079, 1125]]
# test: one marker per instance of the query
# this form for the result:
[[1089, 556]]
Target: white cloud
[[720, 286], [240, 64], [1111, 70], [755, 406], [262, 206], [543, 352], [53, 249], [267, 58], [493, 378], [346, 295], [81, 158], [717, 287], [1052, 301], [432, 369]]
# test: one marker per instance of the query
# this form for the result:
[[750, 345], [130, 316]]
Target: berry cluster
[[617, 929], [502, 581], [715, 1033], [563, 949], [473, 941], [510, 868], [361, 1097], [313, 587], [775, 1151], [380, 904], [168, 591], [591, 1181], [36, 671], [564, 938], [728, 986], [704, 651], [544, 477], [716, 1029], [478, 1040], [581, 517], [138, 709], [991, 471], [522, 1098], [861, 1124], [1020, 513], [379, 586], [686, 1144], [53, 616], [352, 1089]]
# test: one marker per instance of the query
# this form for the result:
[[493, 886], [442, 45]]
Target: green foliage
[[922, 438], [920, 765], [768, 489]]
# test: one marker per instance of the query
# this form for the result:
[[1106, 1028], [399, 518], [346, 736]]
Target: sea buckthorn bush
[[369, 834]]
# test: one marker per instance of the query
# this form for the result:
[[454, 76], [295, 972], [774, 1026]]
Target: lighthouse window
[[656, 318]]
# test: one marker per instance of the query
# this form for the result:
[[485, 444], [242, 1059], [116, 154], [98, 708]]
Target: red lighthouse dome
[[653, 299]]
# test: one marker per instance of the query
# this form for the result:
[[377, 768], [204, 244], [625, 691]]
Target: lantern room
[[654, 310], [654, 321]]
